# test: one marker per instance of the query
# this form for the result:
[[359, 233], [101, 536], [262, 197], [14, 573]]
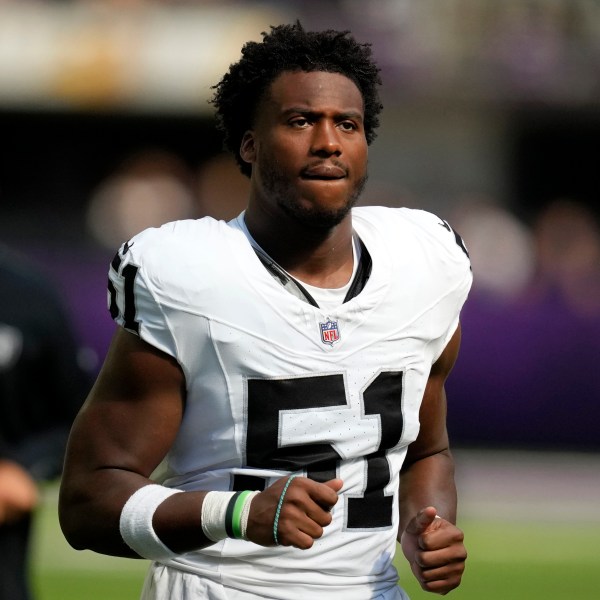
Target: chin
[[313, 206], [317, 217]]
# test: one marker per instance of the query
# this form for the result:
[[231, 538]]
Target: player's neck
[[320, 258]]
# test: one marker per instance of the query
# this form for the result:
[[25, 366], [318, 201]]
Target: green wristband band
[[229, 514], [236, 516]]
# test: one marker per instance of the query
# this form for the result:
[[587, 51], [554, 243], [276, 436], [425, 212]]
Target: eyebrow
[[347, 114]]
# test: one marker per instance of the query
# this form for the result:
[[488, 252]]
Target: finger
[[325, 494], [422, 521], [295, 537], [295, 528], [301, 505], [303, 541], [442, 580], [441, 586], [335, 484], [440, 536], [313, 506], [441, 558], [319, 514]]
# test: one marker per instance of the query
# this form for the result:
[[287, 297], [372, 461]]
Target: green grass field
[[508, 560]]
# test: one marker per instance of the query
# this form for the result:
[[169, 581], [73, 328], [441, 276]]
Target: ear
[[248, 147]]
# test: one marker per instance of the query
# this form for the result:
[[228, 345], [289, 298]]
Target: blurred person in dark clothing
[[41, 388]]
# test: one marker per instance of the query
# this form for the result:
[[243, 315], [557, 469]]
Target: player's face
[[308, 148]]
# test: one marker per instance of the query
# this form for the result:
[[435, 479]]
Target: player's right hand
[[304, 513]]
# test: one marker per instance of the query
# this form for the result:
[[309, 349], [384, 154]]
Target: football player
[[271, 418]]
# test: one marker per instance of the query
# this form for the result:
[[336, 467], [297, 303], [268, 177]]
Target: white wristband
[[214, 507], [246, 513], [135, 523]]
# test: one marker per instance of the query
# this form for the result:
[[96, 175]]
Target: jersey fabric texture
[[278, 386], [164, 583]]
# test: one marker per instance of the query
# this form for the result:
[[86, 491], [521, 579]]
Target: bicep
[[433, 435], [133, 411]]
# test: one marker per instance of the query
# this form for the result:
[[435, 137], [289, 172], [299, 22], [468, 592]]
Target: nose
[[326, 140]]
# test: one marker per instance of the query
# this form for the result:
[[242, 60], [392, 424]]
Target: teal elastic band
[[279, 505]]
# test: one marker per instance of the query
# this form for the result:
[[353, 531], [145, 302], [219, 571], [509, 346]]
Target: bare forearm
[[90, 519], [90, 508], [428, 482]]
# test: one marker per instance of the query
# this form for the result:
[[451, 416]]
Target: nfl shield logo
[[330, 332]]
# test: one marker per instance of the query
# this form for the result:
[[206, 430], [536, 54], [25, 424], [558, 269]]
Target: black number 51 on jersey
[[128, 272], [269, 398]]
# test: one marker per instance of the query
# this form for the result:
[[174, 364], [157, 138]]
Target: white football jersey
[[278, 386]]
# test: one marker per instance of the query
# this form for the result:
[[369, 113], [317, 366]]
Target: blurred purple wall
[[528, 374]]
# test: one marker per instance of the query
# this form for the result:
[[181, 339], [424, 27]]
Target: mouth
[[324, 172]]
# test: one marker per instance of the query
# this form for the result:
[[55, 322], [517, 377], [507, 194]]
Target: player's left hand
[[435, 550]]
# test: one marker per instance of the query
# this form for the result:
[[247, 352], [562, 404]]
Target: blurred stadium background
[[491, 120]]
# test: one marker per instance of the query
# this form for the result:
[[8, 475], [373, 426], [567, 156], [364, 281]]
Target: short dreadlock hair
[[291, 48]]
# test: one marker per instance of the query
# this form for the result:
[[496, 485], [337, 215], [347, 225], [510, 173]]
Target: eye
[[347, 126], [300, 122]]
